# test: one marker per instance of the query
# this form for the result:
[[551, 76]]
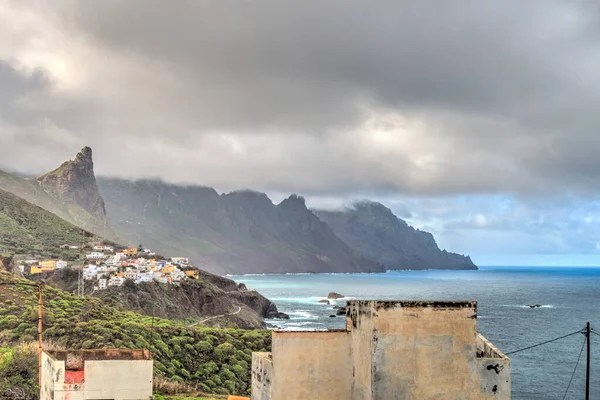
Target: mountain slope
[[376, 233], [238, 232], [209, 296], [28, 229], [213, 360], [69, 192]]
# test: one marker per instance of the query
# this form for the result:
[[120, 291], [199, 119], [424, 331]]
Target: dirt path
[[216, 316]]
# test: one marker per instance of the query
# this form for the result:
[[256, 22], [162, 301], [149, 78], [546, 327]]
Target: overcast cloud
[[407, 101]]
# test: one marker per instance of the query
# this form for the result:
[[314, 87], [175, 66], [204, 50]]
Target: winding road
[[216, 316]]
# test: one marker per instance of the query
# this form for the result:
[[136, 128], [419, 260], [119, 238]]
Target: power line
[[546, 342], [576, 365]]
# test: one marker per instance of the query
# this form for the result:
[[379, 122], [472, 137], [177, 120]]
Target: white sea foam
[[302, 314]]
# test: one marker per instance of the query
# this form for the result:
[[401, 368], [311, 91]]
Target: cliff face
[[209, 296], [376, 233], [74, 182], [70, 192], [239, 232]]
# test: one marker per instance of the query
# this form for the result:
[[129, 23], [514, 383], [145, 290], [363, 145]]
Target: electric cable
[[546, 342], [576, 365]]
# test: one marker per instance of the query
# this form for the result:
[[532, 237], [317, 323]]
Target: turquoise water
[[569, 297]]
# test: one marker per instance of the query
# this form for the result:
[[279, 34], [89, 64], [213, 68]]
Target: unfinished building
[[413, 350], [106, 374]]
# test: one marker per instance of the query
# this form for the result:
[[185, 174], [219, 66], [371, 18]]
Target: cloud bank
[[417, 102]]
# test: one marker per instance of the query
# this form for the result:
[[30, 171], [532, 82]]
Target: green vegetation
[[30, 190], [28, 229], [205, 359], [18, 372]]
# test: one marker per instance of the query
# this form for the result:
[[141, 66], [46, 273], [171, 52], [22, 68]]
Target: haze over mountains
[[236, 233]]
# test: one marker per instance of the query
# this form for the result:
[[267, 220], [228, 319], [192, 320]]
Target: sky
[[476, 120]]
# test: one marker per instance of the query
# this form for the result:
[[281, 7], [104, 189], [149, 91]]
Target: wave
[[302, 314], [541, 306]]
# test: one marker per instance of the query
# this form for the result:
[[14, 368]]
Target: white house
[[180, 260], [160, 277], [116, 281], [90, 272], [104, 248], [177, 274], [61, 264], [94, 255], [102, 284]]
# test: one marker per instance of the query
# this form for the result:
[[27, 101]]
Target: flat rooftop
[[100, 354]]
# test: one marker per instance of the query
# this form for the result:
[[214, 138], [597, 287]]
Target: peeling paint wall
[[118, 379], [311, 365], [262, 376], [420, 350]]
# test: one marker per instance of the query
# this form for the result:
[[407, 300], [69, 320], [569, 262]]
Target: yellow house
[[48, 265], [131, 252], [35, 269], [168, 269], [192, 273]]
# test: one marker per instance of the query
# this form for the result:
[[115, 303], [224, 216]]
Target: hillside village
[[107, 266]]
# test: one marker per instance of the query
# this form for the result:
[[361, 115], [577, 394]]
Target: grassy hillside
[[211, 360], [29, 229], [29, 190]]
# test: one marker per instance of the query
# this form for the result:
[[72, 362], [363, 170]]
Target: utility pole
[[40, 315], [80, 282], [587, 372]]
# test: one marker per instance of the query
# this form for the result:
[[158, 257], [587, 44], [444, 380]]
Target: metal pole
[[40, 315], [587, 372]]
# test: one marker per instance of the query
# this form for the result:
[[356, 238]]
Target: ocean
[[569, 297]]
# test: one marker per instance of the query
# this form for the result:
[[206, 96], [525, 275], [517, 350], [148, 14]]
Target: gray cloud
[[323, 98]]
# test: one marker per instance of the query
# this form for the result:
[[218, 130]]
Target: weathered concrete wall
[[494, 371], [311, 365], [51, 370], [418, 350], [262, 376], [103, 379], [390, 350], [494, 378], [129, 379], [359, 322]]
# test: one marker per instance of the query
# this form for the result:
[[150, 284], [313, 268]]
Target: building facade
[[96, 374], [417, 350]]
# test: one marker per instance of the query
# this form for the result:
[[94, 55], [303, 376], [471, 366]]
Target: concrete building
[[96, 374], [417, 350], [102, 284], [48, 265], [94, 255]]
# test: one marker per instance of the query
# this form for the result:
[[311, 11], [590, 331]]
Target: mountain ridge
[[375, 232], [236, 233]]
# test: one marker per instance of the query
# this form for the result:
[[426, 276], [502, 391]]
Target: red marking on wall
[[76, 376]]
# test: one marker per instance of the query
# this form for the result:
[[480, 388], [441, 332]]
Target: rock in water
[[332, 316], [334, 295], [324, 301]]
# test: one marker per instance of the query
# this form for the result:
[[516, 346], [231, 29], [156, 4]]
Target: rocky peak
[[294, 202], [74, 181]]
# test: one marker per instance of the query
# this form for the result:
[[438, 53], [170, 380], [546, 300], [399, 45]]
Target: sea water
[[569, 298]]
